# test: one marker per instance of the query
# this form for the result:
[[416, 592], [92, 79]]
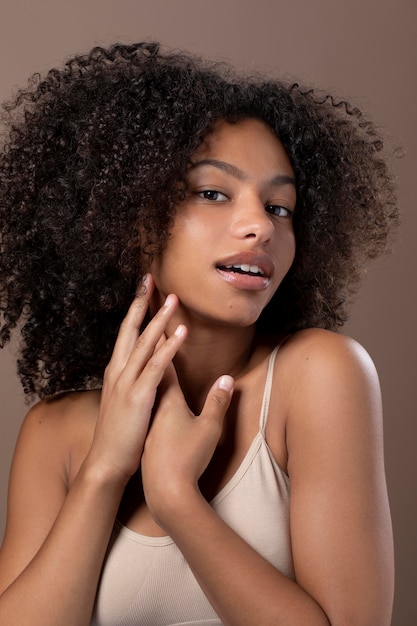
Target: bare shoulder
[[55, 437], [53, 442], [326, 364], [316, 345], [340, 521], [332, 384], [323, 381], [63, 424], [66, 417], [66, 406]]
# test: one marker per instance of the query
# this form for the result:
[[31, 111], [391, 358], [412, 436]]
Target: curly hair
[[94, 163]]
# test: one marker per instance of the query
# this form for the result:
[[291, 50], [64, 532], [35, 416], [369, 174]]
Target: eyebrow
[[278, 180]]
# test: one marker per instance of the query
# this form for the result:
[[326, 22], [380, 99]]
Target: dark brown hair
[[94, 164]]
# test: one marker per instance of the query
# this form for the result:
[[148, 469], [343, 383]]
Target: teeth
[[244, 267]]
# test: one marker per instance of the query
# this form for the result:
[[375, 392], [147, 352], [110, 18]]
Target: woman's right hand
[[131, 379], [58, 528]]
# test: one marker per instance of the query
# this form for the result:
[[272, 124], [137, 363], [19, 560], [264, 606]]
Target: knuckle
[[109, 375], [154, 363], [213, 427], [219, 400], [136, 311], [132, 397], [118, 387], [123, 325], [140, 305], [140, 343]]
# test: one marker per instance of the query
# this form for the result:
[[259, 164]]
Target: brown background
[[365, 49]]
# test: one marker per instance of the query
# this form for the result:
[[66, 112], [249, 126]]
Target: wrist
[[175, 506], [98, 474]]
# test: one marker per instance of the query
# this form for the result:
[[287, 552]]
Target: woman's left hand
[[180, 445]]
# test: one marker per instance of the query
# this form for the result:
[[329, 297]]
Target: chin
[[240, 319], [229, 313]]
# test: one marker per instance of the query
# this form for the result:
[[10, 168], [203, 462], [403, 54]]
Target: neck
[[208, 354], [210, 350]]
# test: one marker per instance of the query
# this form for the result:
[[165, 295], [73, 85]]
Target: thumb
[[218, 401]]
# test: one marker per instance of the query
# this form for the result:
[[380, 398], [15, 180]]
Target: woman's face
[[232, 241]]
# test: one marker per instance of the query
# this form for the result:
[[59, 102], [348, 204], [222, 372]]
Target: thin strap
[[267, 390]]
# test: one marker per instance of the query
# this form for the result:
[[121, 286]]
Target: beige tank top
[[146, 580]]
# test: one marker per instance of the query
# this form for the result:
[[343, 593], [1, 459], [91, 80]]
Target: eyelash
[[206, 193], [275, 209], [272, 208]]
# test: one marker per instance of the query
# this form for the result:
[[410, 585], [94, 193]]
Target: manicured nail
[[180, 330], [226, 383], [169, 300]]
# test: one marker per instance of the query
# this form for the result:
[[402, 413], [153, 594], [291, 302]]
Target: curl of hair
[[94, 164]]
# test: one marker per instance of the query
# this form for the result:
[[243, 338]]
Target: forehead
[[249, 144]]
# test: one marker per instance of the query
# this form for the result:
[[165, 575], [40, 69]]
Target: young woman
[[212, 452]]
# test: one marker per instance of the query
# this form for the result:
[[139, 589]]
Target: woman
[[222, 463]]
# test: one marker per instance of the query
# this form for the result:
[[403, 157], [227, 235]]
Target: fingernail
[[170, 299], [226, 383], [179, 330]]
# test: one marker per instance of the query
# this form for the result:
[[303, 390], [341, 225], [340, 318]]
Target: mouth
[[246, 271], [243, 268]]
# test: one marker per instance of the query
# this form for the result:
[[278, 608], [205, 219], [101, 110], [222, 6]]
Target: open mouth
[[243, 268]]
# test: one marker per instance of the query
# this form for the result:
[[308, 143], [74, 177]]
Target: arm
[[341, 527], [340, 524], [56, 540]]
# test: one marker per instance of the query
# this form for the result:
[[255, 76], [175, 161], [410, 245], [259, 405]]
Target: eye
[[213, 195], [278, 210]]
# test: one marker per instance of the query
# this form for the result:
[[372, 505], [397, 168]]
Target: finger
[[159, 362], [152, 340], [169, 388], [217, 402], [131, 324]]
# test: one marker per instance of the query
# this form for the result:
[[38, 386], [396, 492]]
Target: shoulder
[[333, 401], [321, 359], [63, 412], [328, 370], [323, 346], [54, 439], [340, 522], [325, 385], [62, 425]]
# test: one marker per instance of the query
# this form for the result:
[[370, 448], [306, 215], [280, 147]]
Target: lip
[[263, 261], [247, 281]]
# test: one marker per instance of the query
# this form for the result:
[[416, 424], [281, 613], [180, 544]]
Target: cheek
[[197, 232], [286, 252], [178, 258]]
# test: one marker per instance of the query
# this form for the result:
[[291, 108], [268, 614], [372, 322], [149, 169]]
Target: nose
[[251, 221]]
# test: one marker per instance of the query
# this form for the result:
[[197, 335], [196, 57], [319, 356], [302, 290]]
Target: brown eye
[[278, 211], [212, 194]]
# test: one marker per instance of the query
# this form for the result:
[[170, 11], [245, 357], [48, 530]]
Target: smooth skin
[[201, 366]]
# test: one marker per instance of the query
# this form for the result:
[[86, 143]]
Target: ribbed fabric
[[146, 580]]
